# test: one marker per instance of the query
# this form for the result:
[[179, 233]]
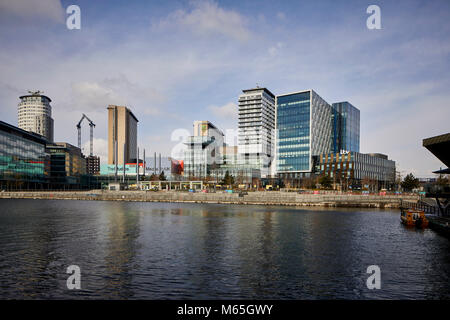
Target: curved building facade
[[35, 114]]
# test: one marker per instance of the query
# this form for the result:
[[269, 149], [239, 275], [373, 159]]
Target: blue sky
[[174, 62]]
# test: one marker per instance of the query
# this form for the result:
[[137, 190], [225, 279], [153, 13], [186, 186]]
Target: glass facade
[[293, 126], [303, 130], [345, 135], [22, 157], [203, 152], [67, 164]]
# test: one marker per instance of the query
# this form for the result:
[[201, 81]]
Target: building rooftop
[[35, 94], [111, 106], [26, 134], [440, 147], [259, 89]]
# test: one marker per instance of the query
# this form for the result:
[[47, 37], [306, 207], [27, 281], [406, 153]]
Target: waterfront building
[[354, 170], [122, 135], [35, 114], [303, 125], [243, 174], [345, 122], [67, 166], [23, 159], [256, 129], [173, 170], [203, 152]]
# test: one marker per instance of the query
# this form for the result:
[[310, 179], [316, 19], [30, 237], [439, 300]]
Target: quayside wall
[[260, 198]]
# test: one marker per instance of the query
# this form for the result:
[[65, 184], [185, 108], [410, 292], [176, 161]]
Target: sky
[[173, 62]]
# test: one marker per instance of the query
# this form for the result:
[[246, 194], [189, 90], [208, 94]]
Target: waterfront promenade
[[252, 198]]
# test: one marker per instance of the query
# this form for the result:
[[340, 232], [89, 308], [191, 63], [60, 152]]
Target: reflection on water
[[203, 251]]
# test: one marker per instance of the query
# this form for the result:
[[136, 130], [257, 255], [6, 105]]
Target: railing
[[427, 208]]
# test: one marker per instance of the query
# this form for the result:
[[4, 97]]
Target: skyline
[[173, 63]]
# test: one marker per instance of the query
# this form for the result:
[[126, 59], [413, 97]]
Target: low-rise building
[[67, 166], [93, 165], [354, 170], [23, 159]]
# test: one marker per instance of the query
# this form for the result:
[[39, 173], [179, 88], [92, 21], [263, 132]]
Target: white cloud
[[208, 19], [100, 147], [229, 110], [31, 9], [92, 95], [274, 50]]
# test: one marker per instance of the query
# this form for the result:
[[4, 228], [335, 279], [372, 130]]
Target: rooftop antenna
[[37, 92]]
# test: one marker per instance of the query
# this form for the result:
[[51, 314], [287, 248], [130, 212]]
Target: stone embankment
[[260, 198]]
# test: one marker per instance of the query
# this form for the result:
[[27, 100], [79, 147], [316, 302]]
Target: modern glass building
[[256, 135], [203, 152], [303, 126], [24, 163], [345, 119]]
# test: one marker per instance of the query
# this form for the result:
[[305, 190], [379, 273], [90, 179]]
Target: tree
[[162, 177], [442, 180], [153, 177], [370, 183], [228, 179], [325, 181], [309, 182], [410, 182]]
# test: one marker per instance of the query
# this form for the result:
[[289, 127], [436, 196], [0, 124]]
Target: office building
[[122, 135], [256, 134], [67, 165], [303, 125], [345, 120], [23, 159], [35, 114], [203, 152], [354, 170]]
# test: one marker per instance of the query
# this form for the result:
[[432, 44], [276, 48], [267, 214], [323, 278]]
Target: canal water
[[212, 251]]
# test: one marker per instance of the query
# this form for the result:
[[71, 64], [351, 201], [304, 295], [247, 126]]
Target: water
[[211, 251]]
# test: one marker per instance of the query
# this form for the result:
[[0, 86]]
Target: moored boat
[[414, 218]]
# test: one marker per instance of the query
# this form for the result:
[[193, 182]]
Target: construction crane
[[92, 125]]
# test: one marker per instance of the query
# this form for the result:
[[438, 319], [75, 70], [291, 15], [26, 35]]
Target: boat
[[414, 218]]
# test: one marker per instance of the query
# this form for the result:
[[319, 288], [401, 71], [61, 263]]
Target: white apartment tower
[[256, 135], [35, 114]]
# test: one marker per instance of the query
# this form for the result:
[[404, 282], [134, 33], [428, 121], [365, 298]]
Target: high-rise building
[[345, 134], [203, 153], [35, 114], [122, 135], [256, 135], [303, 124]]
